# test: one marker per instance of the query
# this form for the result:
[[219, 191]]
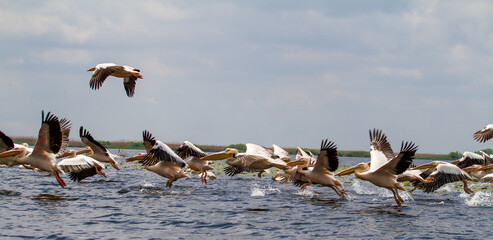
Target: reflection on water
[[134, 203]]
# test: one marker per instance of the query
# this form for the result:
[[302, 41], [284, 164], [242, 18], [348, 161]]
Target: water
[[134, 203]]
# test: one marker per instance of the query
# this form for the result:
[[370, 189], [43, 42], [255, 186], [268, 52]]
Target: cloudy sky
[[283, 72]]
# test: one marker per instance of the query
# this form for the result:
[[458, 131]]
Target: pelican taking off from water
[[187, 149], [103, 70], [96, 150], [384, 166], [53, 136], [161, 160]]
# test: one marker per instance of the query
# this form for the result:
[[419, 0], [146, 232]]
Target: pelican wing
[[101, 72], [161, 152], [87, 138], [484, 134], [444, 173], [280, 152], [469, 158], [250, 159], [50, 135], [149, 140], [187, 149], [75, 164], [255, 149], [65, 126], [380, 150], [129, 85], [402, 161], [327, 158], [6, 142]]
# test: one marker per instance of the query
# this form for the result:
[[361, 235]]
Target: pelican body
[[103, 70]]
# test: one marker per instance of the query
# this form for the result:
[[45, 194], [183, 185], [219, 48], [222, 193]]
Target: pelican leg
[[397, 199], [98, 171], [337, 191], [59, 179], [204, 176], [113, 164], [467, 189], [169, 183], [260, 174], [343, 193], [303, 187]]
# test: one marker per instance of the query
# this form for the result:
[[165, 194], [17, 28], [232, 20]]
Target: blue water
[[134, 203]]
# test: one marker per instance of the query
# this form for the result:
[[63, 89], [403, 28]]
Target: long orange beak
[[296, 163], [135, 158], [424, 166], [91, 69], [487, 167], [348, 171], [86, 150], [217, 156], [9, 153]]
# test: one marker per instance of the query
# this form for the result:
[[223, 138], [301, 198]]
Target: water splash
[[259, 191], [480, 199], [370, 189]]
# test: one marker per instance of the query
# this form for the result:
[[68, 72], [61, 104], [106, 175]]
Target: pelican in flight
[[53, 136], [279, 152], [256, 158], [80, 167], [187, 149], [323, 171], [103, 70], [6, 144], [384, 166], [443, 173], [95, 149], [161, 160]]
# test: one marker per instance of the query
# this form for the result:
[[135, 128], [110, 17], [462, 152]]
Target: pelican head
[[427, 165], [347, 171]]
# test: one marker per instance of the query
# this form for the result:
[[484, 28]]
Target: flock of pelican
[[386, 169]]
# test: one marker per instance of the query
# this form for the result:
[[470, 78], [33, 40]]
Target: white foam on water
[[259, 191], [148, 185], [306, 193], [480, 199], [369, 189]]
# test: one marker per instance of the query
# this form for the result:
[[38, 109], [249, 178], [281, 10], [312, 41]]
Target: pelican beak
[[92, 69], [217, 156], [135, 158], [424, 166], [348, 171], [66, 154], [455, 162], [470, 169], [296, 163], [86, 150], [10, 153], [487, 167], [478, 131]]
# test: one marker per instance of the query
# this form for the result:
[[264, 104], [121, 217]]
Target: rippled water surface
[[134, 203]]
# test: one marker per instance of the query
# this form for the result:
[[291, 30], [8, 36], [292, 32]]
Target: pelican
[[53, 135], [303, 158], [281, 153], [187, 149], [384, 166], [6, 144], [484, 134], [323, 171], [443, 173], [103, 70], [468, 159], [488, 177], [161, 160], [95, 149], [79, 167], [256, 158]]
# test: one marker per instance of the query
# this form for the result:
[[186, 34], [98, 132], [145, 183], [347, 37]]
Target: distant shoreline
[[138, 145]]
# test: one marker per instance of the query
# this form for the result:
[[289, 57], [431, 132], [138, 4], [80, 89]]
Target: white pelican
[[79, 167], [323, 171], [103, 70], [388, 166], [256, 158], [96, 150], [442, 174], [187, 149], [53, 135], [6, 144], [484, 134], [468, 159], [161, 160], [281, 153]]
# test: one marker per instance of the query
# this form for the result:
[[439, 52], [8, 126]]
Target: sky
[[289, 73]]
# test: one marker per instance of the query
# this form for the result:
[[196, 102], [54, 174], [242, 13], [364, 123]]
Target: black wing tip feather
[[408, 150], [328, 145], [147, 136], [7, 140]]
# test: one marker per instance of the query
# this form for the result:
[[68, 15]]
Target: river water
[[134, 203]]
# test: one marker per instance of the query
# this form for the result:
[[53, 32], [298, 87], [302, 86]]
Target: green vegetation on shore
[[241, 147]]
